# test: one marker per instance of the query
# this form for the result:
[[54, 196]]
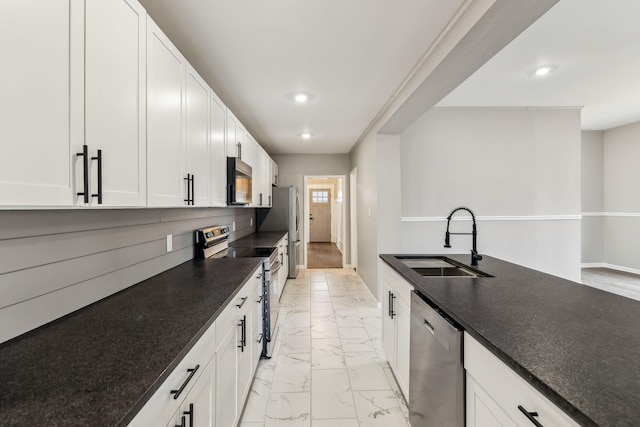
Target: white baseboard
[[610, 266]]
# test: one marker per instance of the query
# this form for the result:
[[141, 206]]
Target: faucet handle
[[475, 257]]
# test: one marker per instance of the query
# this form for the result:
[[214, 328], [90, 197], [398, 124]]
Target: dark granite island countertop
[[579, 346], [99, 365], [260, 239]]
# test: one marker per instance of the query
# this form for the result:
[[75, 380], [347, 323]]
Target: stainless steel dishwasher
[[436, 380]]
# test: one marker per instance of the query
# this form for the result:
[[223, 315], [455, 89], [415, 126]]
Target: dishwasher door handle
[[429, 327]]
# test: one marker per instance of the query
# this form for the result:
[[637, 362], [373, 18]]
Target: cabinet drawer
[[507, 389], [400, 287], [162, 404]]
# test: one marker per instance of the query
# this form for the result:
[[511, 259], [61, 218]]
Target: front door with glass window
[[320, 215]]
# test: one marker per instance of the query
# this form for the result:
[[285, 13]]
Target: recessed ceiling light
[[306, 135], [544, 70], [301, 97]]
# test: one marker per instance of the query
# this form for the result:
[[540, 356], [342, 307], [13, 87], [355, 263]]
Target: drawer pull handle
[[179, 391], [259, 299], [244, 299], [260, 339], [530, 416], [182, 423]]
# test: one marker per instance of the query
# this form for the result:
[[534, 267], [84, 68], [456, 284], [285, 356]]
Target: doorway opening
[[324, 221]]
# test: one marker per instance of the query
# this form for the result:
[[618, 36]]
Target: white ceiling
[[595, 46], [351, 56]]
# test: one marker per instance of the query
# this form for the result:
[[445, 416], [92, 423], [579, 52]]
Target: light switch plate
[[250, 222], [169, 242], [233, 226]]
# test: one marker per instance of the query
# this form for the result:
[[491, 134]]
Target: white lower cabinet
[[497, 396], [283, 253], [396, 324], [198, 407], [226, 383], [235, 364]]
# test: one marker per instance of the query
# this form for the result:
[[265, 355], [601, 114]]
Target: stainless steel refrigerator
[[284, 215]]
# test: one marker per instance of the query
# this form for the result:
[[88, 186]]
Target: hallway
[[323, 255], [328, 368]]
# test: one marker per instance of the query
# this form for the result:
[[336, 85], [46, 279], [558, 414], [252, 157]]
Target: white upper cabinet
[[274, 173], [165, 119], [197, 140], [235, 137], [41, 124], [262, 178], [115, 101], [217, 147]]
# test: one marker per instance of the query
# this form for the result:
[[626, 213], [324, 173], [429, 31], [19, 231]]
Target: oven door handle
[[275, 267]]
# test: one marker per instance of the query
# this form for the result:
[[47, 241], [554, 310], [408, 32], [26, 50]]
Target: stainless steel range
[[212, 242]]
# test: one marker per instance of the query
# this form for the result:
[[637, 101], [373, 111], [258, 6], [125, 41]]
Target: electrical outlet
[[233, 226], [250, 222], [169, 242], [369, 211]]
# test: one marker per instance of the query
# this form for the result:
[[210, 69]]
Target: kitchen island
[[100, 365], [577, 345]]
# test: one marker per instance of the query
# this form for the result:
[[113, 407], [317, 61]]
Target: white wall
[[621, 200], [592, 176], [365, 160], [518, 169], [292, 169]]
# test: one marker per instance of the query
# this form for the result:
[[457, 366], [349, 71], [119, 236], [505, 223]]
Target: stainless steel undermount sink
[[439, 266]]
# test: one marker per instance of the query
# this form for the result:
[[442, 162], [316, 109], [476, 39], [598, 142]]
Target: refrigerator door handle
[[297, 213]]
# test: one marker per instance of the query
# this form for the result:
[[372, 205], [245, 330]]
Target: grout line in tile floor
[[340, 378]]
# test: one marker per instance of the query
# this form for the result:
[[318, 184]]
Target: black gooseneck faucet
[[475, 257]]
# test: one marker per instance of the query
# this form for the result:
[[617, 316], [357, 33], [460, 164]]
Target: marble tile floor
[[328, 367]]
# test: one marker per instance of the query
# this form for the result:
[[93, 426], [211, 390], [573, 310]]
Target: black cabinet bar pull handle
[[190, 413], [389, 304], [193, 190], [260, 199], [179, 391], [530, 416], [244, 299], [259, 299], [243, 332], [182, 423], [259, 338], [99, 159], [85, 173], [188, 180], [393, 311]]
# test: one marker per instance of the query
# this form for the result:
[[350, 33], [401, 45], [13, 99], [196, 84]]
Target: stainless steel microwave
[[239, 182]]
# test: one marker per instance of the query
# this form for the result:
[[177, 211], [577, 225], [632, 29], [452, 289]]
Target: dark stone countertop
[[260, 239], [579, 346], [99, 365]]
